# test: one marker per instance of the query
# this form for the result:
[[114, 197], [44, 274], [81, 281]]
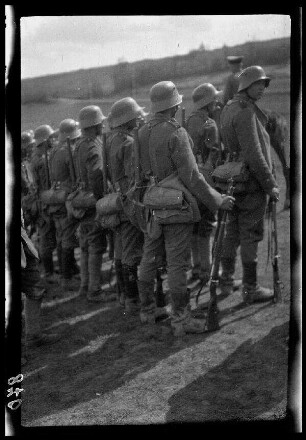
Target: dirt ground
[[109, 369]]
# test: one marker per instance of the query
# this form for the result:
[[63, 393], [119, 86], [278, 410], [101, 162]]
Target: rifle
[[212, 322], [183, 118], [277, 284], [73, 173]]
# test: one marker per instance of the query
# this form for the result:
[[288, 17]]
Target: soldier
[[27, 145], [45, 224], [89, 170], [28, 190], [232, 81], [243, 130], [60, 174], [124, 116], [172, 149], [206, 148]]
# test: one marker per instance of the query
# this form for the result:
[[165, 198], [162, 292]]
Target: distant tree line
[[127, 77]]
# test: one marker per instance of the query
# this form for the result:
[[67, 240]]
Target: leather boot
[[226, 281], [95, 293], [84, 273], [149, 312], [48, 275], [183, 323], [120, 287], [67, 283], [131, 289], [34, 335], [252, 292], [74, 268]]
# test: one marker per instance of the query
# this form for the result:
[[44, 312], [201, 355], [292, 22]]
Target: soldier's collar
[[120, 130], [202, 112]]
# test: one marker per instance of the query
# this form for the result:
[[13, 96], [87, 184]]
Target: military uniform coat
[[244, 133], [173, 152], [88, 164], [204, 134]]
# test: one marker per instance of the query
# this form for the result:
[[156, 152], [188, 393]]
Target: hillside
[[128, 78]]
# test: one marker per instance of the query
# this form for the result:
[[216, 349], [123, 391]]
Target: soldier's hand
[[227, 203], [275, 194]]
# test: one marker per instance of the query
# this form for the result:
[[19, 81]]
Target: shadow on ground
[[243, 387]]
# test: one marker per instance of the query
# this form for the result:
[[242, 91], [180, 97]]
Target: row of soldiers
[[81, 159]]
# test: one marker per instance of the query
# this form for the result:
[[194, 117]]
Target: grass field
[[277, 98]]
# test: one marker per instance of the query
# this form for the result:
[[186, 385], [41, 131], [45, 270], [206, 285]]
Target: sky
[[59, 44]]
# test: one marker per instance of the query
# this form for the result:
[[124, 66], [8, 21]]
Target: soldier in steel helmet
[[124, 115], [28, 188], [172, 149], [88, 164], [61, 176], [235, 64], [245, 136], [45, 223], [204, 133]]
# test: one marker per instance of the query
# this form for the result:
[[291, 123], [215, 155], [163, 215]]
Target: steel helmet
[[69, 128], [124, 110], [204, 94], [90, 115], [27, 138], [42, 133], [250, 75], [164, 95]]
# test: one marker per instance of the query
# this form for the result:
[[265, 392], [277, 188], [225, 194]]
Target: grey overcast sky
[[65, 43]]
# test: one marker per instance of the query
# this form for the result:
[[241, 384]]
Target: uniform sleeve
[[94, 166], [246, 129], [127, 150], [184, 161]]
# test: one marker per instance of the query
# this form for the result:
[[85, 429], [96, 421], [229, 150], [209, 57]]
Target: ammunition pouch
[[168, 203], [108, 210], [78, 202], [54, 196], [157, 197], [237, 170], [83, 199], [109, 204]]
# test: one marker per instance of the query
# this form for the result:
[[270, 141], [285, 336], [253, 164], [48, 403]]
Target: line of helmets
[[163, 95]]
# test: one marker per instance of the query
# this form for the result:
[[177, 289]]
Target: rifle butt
[[212, 320], [278, 297]]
